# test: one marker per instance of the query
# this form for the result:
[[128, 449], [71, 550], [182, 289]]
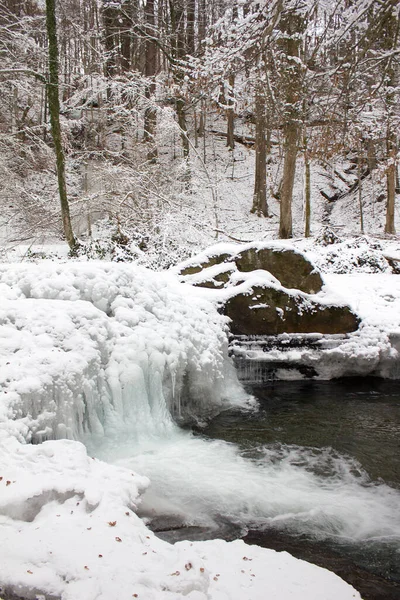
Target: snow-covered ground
[[106, 355]]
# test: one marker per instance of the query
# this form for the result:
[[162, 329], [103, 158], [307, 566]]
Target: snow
[[70, 531], [109, 355]]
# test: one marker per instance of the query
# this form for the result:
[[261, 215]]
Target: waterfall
[[108, 350]]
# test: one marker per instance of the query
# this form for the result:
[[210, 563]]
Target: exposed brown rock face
[[291, 268], [270, 311], [217, 259]]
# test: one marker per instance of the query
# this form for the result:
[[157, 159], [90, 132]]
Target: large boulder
[[291, 268], [270, 310], [267, 289]]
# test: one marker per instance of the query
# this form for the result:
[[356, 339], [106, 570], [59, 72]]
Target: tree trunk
[[292, 25], [150, 116], [289, 171], [390, 185], [110, 66], [201, 19], [190, 27], [260, 206], [360, 204], [54, 110], [177, 13], [307, 190], [180, 111], [230, 140]]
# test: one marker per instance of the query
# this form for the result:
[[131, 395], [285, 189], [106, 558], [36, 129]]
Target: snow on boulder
[[268, 289], [289, 266]]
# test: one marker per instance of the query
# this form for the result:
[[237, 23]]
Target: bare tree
[[54, 110]]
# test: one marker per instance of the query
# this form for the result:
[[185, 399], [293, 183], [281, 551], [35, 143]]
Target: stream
[[347, 430], [314, 471]]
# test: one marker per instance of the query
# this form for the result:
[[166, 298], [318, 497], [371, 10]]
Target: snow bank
[[99, 351], [69, 531]]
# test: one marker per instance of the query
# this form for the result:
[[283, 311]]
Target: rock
[[196, 267], [214, 282], [268, 310], [292, 268], [267, 287]]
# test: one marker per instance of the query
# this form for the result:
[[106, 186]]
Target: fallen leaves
[[118, 539], [112, 523]]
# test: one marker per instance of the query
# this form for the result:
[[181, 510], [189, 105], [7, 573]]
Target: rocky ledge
[[288, 321]]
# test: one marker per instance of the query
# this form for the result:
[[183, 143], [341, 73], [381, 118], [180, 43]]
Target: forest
[[163, 126]]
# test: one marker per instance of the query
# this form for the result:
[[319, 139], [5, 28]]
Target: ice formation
[[102, 349]]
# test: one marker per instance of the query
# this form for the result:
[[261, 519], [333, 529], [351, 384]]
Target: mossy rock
[[271, 311], [291, 268]]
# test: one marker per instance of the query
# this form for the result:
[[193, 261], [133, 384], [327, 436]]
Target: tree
[[54, 110], [292, 26], [260, 205]]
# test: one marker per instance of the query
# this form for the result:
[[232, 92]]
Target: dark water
[[352, 422], [357, 417]]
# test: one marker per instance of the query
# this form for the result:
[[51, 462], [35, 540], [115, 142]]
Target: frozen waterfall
[[107, 350]]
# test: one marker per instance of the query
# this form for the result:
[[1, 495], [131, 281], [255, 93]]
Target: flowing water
[[317, 461], [344, 435]]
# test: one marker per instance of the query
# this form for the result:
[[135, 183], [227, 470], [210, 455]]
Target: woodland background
[[183, 122]]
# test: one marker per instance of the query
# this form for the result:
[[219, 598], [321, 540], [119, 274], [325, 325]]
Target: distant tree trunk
[[177, 14], [390, 184], [110, 66], [150, 117], [54, 110], [201, 19], [190, 41], [260, 206], [289, 171], [360, 203], [391, 33], [125, 35], [231, 115], [307, 189], [180, 111]]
